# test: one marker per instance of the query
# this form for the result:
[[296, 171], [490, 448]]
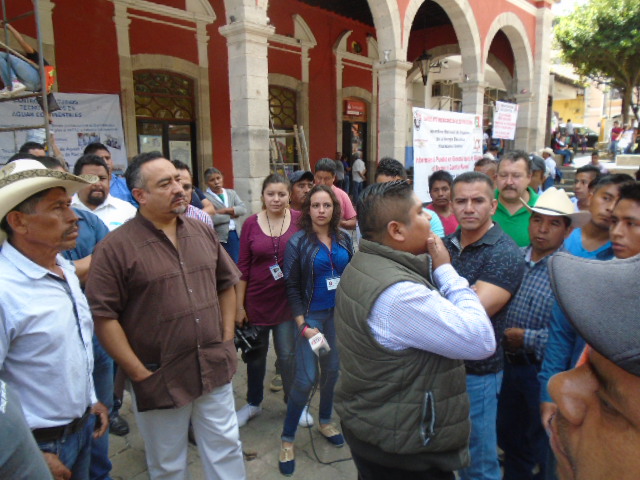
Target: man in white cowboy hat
[[520, 432], [45, 340], [595, 432]]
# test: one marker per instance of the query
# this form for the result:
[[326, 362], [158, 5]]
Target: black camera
[[247, 340]]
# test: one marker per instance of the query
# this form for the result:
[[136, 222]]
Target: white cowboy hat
[[557, 203], [21, 179], [547, 150]]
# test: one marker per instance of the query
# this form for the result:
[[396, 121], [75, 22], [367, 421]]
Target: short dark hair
[[94, 147], [440, 176], [472, 177], [391, 168], [590, 169], [51, 162], [630, 191], [595, 153], [381, 203], [326, 165], [22, 156], [305, 219], [515, 156], [26, 146], [484, 161], [180, 165], [89, 159], [619, 179], [210, 172], [133, 175]]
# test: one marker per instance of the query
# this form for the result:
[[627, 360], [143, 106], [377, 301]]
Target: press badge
[[276, 272], [332, 283]]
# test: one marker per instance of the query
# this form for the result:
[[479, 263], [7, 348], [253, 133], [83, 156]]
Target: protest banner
[[505, 117], [82, 119], [443, 140]]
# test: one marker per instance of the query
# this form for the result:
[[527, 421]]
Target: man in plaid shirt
[[520, 432]]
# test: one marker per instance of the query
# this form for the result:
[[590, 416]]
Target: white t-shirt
[[357, 170]]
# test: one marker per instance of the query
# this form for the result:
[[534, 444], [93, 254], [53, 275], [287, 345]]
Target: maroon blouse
[[266, 299]]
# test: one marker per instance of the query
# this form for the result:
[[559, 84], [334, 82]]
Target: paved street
[[261, 435]]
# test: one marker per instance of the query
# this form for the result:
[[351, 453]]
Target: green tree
[[601, 39]]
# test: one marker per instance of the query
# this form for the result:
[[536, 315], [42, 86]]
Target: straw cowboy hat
[[23, 178], [548, 151], [557, 203]]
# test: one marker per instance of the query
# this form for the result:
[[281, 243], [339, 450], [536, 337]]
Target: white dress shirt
[[46, 352], [454, 324], [113, 212]]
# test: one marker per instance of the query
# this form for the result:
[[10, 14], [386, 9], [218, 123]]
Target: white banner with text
[[505, 117]]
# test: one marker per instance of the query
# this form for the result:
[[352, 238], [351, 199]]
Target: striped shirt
[[454, 324], [531, 307], [198, 214]]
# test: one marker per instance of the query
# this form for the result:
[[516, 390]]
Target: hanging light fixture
[[424, 64]]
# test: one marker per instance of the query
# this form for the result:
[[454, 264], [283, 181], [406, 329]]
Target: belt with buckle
[[53, 434]]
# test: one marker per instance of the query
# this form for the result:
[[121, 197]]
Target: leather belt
[[53, 434]]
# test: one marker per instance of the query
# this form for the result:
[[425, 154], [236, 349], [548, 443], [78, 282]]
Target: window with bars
[[164, 95], [282, 107]]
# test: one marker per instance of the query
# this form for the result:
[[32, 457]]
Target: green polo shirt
[[516, 225]]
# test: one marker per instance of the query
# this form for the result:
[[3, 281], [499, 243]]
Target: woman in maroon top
[[262, 295]]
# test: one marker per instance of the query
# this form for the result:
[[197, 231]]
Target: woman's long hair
[[305, 222]]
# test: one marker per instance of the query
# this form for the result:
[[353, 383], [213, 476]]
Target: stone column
[[540, 84], [525, 131], [392, 105], [122, 22], [203, 135], [249, 95], [473, 97]]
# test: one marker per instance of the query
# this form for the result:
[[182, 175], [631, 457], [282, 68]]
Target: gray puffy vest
[[407, 408]]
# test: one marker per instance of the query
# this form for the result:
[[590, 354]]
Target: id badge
[[276, 272], [332, 283]]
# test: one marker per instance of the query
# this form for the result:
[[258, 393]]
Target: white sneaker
[[17, 88], [5, 93], [246, 413], [306, 420]]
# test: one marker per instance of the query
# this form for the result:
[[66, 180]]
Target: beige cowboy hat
[[21, 179], [547, 150], [556, 202]]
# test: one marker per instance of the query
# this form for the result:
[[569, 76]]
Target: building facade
[[216, 77]]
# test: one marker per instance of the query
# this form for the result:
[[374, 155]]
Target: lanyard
[[276, 245], [333, 268]]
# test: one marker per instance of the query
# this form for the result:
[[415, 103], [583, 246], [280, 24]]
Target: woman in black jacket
[[315, 258]]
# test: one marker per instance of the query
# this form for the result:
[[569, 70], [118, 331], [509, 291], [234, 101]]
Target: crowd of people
[[440, 332]]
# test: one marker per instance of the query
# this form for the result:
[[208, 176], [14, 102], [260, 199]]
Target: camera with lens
[[247, 341]]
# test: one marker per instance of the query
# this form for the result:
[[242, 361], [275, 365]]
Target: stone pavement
[[261, 435]]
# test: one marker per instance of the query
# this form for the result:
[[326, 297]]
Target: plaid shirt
[[198, 214], [531, 306]]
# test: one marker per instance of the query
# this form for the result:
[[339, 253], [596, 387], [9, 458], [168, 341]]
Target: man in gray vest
[[405, 321]]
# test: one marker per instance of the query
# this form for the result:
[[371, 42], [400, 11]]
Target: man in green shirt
[[514, 174]]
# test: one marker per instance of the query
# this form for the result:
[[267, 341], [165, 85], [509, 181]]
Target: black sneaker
[[118, 425]]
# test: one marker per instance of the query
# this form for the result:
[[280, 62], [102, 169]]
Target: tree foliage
[[601, 39]]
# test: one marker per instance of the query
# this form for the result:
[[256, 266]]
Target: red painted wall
[[156, 38]]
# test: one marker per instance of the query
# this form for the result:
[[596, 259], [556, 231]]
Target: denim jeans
[[74, 450], [17, 68], [520, 432], [284, 335], [232, 246], [103, 383], [483, 393], [306, 374], [568, 156], [357, 189]]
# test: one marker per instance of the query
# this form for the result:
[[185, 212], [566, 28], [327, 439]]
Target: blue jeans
[[16, 68], [74, 450], [232, 246], [284, 335], [568, 156], [483, 393], [357, 189], [103, 382], [520, 431], [307, 374]]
